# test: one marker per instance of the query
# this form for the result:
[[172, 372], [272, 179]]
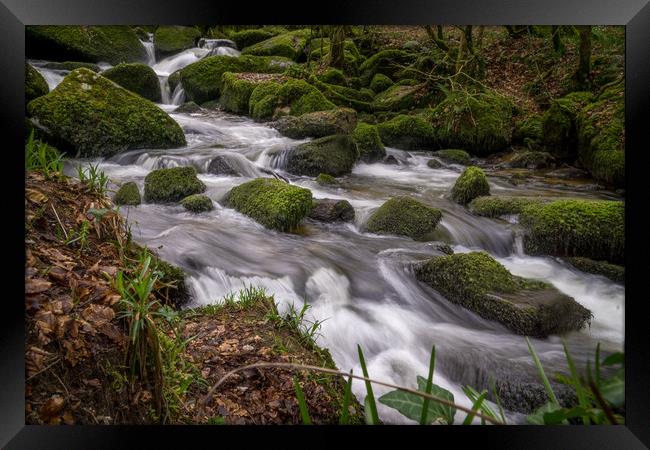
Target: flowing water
[[360, 284]]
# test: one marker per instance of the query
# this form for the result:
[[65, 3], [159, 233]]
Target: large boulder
[[128, 194], [406, 132], [334, 155], [112, 44], [317, 124], [171, 185], [90, 115], [454, 156], [171, 39], [559, 124], [404, 216], [368, 142], [332, 210], [481, 284], [35, 84], [399, 97], [221, 166], [290, 45], [237, 88], [380, 83], [470, 184], [501, 205], [344, 96], [246, 38], [591, 228], [138, 78], [271, 202], [387, 62]]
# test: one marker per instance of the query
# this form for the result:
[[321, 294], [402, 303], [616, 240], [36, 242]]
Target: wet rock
[[171, 185], [220, 166], [390, 159], [404, 216], [531, 160], [188, 108], [317, 124], [333, 155], [470, 184], [197, 203], [128, 194], [332, 210]]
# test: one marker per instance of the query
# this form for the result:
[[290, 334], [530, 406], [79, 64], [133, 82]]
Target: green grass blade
[[425, 404], [582, 398], [304, 413], [598, 364], [370, 398], [542, 374], [345, 410], [475, 408], [493, 386]]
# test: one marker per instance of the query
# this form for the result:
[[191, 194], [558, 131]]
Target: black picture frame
[[634, 14]]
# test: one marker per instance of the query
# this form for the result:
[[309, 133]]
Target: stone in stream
[[332, 210], [470, 184], [35, 84], [531, 160], [171, 39], [479, 283], [89, 115], [197, 203], [220, 166], [128, 194], [614, 272], [138, 78], [368, 142], [324, 179], [406, 132], [390, 160], [333, 155], [454, 156], [188, 108], [317, 124], [171, 185], [501, 205], [404, 216], [434, 163], [290, 45]]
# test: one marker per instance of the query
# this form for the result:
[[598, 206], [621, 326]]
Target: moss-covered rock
[[90, 115], [71, 65], [406, 132], [612, 271], [344, 96], [368, 142], [317, 124], [333, 76], [171, 39], [138, 78], [246, 38], [559, 124], [237, 88], [326, 180], [501, 205], [334, 155], [528, 129], [591, 228], [332, 210], [387, 62], [470, 184], [479, 283], [404, 216], [400, 97], [264, 100], [171, 185], [175, 291], [531, 160], [202, 80], [454, 156], [271, 202], [35, 84], [112, 44], [290, 45], [197, 203], [380, 83], [188, 108], [480, 123], [601, 136], [434, 163], [128, 194]]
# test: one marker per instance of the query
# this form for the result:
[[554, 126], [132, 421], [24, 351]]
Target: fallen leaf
[[36, 285], [51, 408]]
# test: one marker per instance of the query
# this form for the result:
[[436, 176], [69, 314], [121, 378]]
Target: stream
[[359, 284]]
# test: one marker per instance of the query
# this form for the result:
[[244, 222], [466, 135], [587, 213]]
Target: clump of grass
[[43, 158], [95, 180]]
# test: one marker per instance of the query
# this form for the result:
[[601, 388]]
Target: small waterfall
[[518, 246], [220, 47], [178, 96], [164, 89]]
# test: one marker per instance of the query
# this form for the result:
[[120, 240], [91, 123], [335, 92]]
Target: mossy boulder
[[171, 39], [290, 45], [406, 132], [171, 185], [128, 194], [590, 228], [333, 76], [246, 38], [294, 97], [237, 88], [400, 97], [112, 44], [334, 155], [317, 124], [559, 124], [386, 62], [71, 65], [501, 205], [203, 80], [380, 83], [470, 184], [332, 210], [434, 163], [175, 291], [404, 216], [368, 142], [344, 96], [273, 203], [188, 108], [326, 180], [531, 160], [480, 123], [601, 136], [612, 271], [90, 115], [35, 84], [197, 203], [479, 283], [454, 156], [138, 78], [528, 129]]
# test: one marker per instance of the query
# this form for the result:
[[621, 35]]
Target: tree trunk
[[337, 42], [557, 42], [584, 66]]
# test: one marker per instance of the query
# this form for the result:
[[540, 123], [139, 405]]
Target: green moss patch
[[35, 84], [171, 185], [171, 39], [138, 78], [559, 124], [333, 76], [612, 271], [380, 83], [528, 129], [455, 156], [334, 155], [406, 132], [273, 203], [368, 142], [387, 62], [318, 124], [501, 205], [470, 184], [237, 88], [71, 65], [325, 179], [127, 194], [402, 97], [531, 160], [246, 38], [404, 216], [479, 283], [290, 45], [197, 203]]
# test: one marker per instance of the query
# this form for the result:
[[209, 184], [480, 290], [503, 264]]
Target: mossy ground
[[470, 184], [559, 124], [380, 83], [35, 84], [334, 155], [171, 185], [404, 216], [138, 78]]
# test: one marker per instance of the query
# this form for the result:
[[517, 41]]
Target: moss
[[127, 194], [590, 228], [318, 124], [35, 84], [387, 62], [531, 160], [344, 96], [176, 292], [246, 38], [559, 124], [601, 136], [173, 80], [138, 78], [332, 210], [380, 82], [71, 65], [470, 184], [402, 96], [406, 132], [368, 142], [434, 164], [479, 283], [290, 45], [188, 107], [612, 271], [480, 123], [263, 100], [94, 117], [454, 155], [334, 155], [235, 93], [404, 216], [112, 44], [528, 128], [496, 206], [273, 203], [197, 203], [324, 179], [333, 76], [171, 39], [351, 56], [202, 80], [302, 98], [171, 185]]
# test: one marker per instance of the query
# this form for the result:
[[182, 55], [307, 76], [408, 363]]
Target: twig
[[603, 404], [65, 233], [56, 360], [291, 366]]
